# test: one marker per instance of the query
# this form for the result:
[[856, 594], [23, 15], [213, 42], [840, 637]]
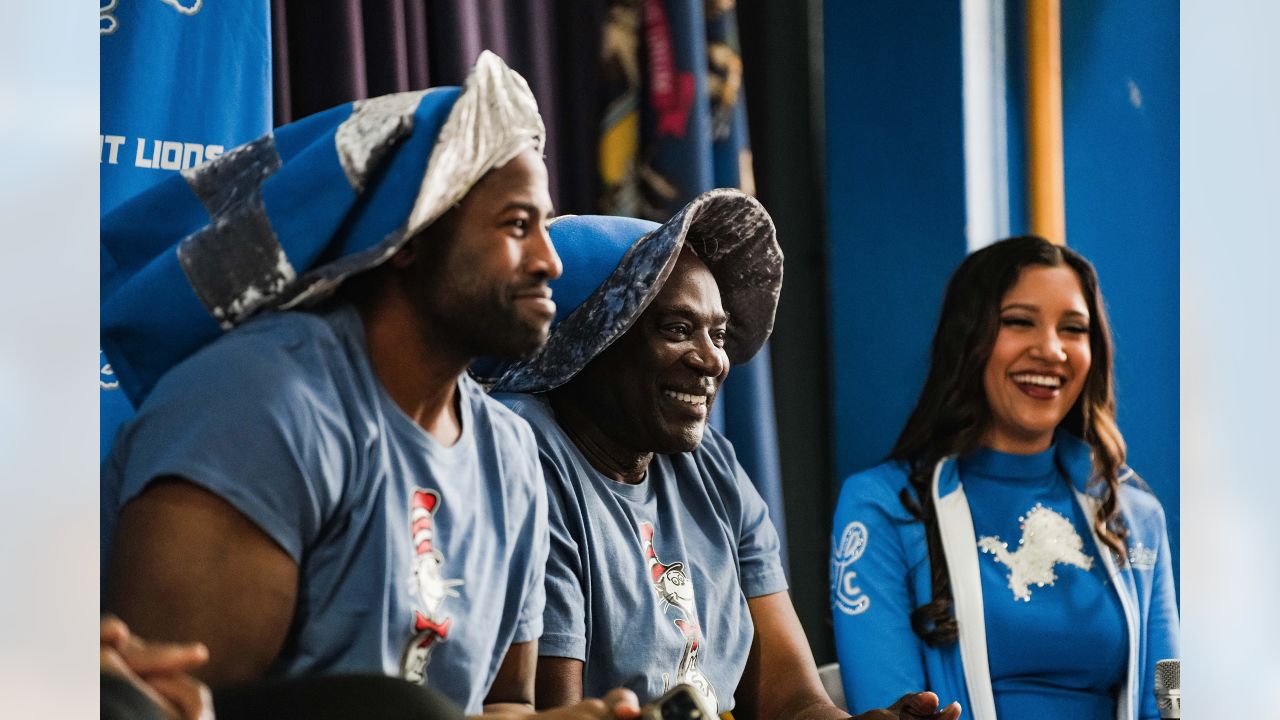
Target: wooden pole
[[1045, 191]]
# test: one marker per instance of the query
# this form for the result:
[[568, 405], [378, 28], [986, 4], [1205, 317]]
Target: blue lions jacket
[[882, 660]]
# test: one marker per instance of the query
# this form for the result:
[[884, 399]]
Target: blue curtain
[[181, 82]]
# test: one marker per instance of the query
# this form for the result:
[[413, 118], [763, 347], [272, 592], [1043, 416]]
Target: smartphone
[[681, 702]]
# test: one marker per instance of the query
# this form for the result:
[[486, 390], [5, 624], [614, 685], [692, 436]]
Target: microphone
[[1169, 688]]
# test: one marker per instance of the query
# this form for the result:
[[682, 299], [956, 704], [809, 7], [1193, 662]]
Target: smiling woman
[[1012, 450], [1039, 359]]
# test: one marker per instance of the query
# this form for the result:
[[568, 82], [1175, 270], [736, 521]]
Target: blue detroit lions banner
[[181, 81]]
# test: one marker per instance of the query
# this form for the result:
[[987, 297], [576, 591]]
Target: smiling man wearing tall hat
[[664, 565], [321, 491]]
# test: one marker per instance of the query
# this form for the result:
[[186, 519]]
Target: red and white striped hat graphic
[[420, 519]]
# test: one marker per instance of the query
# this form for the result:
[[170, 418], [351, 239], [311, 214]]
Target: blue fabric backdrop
[[181, 81]]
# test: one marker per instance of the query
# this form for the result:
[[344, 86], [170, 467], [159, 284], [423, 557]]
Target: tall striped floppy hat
[[281, 221]]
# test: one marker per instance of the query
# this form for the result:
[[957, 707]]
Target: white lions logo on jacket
[[1047, 539], [430, 624]]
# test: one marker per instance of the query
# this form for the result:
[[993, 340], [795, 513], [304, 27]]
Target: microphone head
[[1168, 682]]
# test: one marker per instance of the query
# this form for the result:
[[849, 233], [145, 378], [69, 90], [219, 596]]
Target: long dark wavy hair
[[952, 416]]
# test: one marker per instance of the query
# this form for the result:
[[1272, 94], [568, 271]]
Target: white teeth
[[687, 398], [1049, 381]]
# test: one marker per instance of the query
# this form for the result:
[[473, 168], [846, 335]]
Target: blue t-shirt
[[415, 559], [1057, 649], [647, 584]]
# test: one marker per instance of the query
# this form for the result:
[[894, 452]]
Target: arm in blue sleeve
[[871, 603], [529, 626], [564, 621], [759, 558], [268, 438], [1161, 630]]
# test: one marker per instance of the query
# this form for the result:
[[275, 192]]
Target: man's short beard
[[491, 333], [478, 323]]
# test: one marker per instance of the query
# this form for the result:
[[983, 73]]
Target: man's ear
[[407, 253]]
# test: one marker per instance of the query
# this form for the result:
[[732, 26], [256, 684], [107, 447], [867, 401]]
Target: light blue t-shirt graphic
[[647, 584], [674, 586], [416, 559]]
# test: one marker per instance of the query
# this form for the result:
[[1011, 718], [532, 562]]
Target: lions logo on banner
[[181, 81]]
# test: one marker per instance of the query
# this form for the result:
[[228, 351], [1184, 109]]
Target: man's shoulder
[[715, 445], [508, 467], [561, 461], [533, 412], [532, 408], [293, 332], [715, 460], [280, 355], [711, 468], [509, 432], [272, 336]]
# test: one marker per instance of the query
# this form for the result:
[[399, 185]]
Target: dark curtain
[[785, 96], [328, 53]]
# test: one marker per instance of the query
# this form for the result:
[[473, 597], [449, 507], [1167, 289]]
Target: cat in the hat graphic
[[430, 625], [675, 588]]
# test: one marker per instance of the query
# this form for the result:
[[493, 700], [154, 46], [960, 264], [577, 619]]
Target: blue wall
[[895, 198], [1120, 127]]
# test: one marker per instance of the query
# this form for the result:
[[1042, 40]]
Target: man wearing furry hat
[[324, 491], [664, 565]]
